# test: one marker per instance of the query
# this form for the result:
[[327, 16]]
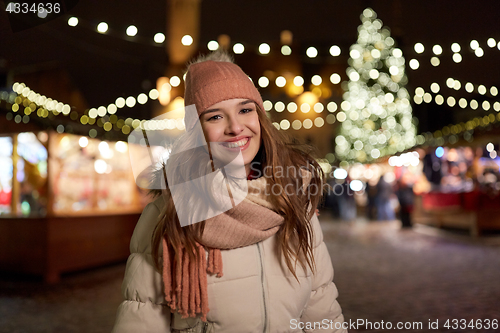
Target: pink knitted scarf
[[251, 221]]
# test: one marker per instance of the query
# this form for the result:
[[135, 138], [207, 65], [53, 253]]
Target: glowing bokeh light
[[73, 21], [298, 81], [439, 152], [414, 64], [312, 52], [264, 48], [335, 51], [437, 49], [102, 27], [131, 31], [419, 48], [335, 78], [159, 38], [238, 48], [186, 40], [213, 45], [263, 81]]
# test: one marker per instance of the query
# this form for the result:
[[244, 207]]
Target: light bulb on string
[[131, 31]]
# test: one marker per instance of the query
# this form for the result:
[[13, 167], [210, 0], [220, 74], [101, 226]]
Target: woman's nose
[[234, 126]]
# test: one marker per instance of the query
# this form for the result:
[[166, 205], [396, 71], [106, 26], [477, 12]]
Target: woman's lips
[[240, 144]]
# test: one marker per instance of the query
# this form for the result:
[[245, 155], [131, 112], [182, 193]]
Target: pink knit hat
[[210, 82]]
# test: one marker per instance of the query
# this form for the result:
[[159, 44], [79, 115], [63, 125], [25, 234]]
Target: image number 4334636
[[26, 14]]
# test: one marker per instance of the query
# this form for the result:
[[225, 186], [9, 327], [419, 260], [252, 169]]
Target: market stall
[[464, 193], [67, 202]]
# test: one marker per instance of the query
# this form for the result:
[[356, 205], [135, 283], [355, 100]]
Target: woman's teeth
[[236, 144]]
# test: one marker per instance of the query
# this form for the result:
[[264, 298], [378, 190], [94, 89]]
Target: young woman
[[239, 249]]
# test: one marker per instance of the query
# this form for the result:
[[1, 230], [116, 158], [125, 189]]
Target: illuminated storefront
[[66, 202], [24, 195], [460, 187]]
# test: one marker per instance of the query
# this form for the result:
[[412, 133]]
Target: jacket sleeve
[[323, 306], [144, 308]]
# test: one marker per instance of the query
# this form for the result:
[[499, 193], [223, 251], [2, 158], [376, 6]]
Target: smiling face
[[235, 125]]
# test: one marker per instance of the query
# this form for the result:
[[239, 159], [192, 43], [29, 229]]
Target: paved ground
[[385, 273], [382, 273]]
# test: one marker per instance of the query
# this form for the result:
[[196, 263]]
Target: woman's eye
[[216, 117], [246, 110]]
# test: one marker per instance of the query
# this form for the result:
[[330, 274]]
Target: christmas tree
[[376, 115]]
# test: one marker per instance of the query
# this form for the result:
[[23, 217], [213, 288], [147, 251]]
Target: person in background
[[385, 211], [371, 194], [347, 203], [405, 196], [432, 168], [331, 197]]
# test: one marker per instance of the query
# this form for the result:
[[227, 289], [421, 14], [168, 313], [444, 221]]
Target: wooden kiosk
[[72, 205]]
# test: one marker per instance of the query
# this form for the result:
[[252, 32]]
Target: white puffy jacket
[[257, 292]]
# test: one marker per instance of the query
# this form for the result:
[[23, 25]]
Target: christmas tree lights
[[376, 115]]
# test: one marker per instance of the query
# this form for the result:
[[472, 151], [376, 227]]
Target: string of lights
[[452, 133], [131, 33], [292, 107], [23, 96], [469, 87], [107, 123], [31, 101], [421, 96], [26, 103], [297, 124], [263, 81], [448, 134], [65, 109], [437, 51], [105, 117]]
